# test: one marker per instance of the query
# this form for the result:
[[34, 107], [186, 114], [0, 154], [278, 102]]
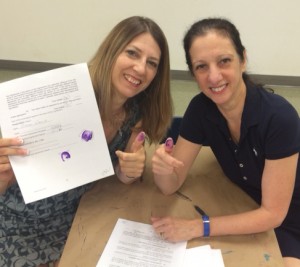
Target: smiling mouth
[[132, 80], [218, 89]]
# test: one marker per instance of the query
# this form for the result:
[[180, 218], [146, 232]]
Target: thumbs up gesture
[[169, 143], [163, 162], [132, 163]]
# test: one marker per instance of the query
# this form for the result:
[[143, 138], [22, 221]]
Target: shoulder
[[278, 108], [277, 122], [267, 104], [270, 98]]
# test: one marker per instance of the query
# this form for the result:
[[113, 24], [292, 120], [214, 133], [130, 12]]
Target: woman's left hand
[[132, 163], [176, 229]]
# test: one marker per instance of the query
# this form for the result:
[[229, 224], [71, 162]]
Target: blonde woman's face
[[136, 66]]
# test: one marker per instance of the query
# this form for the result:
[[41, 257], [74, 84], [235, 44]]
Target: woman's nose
[[214, 75], [140, 66]]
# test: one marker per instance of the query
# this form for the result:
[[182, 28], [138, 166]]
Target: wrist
[[3, 187], [123, 177], [5, 184], [206, 225]]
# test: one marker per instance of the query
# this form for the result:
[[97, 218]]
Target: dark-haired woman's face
[[217, 67]]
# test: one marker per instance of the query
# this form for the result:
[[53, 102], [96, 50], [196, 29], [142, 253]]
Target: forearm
[[168, 184], [251, 222]]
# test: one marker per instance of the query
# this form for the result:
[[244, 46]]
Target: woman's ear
[[244, 62]]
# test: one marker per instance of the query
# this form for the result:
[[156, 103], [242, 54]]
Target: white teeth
[[132, 80], [218, 89]]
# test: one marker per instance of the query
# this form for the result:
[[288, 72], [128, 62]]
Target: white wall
[[69, 31]]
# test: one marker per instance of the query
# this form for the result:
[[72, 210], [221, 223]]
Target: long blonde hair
[[155, 103]]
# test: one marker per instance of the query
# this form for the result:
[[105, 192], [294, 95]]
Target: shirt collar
[[251, 111]]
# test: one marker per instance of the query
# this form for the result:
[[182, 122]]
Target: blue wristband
[[206, 225]]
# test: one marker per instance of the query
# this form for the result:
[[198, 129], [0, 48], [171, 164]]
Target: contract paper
[[136, 244], [56, 114]]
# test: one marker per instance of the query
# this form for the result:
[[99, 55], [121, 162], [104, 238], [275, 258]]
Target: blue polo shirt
[[270, 129]]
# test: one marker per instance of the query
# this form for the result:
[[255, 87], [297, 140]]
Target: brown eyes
[[225, 61], [153, 64], [203, 67], [134, 54], [131, 53]]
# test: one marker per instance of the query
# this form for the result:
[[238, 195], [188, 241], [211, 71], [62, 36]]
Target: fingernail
[[169, 142], [20, 140], [141, 136], [24, 151]]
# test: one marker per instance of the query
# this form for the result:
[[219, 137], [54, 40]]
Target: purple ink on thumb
[[141, 136], [169, 143]]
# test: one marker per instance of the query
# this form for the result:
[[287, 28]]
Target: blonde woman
[[130, 75]]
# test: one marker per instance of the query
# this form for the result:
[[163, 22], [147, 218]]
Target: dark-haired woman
[[254, 134]]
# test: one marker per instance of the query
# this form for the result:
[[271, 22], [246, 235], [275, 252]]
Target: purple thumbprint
[[87, 135], [65, 156]]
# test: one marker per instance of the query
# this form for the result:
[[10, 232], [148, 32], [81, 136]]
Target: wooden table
[[206, 186]]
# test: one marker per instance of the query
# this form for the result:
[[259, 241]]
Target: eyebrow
[[198, 62], [218, 57]]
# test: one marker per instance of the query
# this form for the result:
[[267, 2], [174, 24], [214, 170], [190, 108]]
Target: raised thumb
[[138, 142], [169, 143]]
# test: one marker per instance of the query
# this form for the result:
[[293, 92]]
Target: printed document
[[136, 244], [56, 114]]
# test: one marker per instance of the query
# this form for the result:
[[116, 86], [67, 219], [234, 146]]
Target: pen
[[182, 196], [199, 210]]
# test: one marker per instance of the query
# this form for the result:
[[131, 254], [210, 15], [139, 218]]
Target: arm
[[171, 167], [8, 146], [277, 189]]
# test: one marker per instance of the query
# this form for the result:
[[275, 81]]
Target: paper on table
[[56, 114], [136, 244], [203, 256]]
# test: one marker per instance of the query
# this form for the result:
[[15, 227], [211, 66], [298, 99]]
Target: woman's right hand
[[163, 163], [9, 147], [164, 167]]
